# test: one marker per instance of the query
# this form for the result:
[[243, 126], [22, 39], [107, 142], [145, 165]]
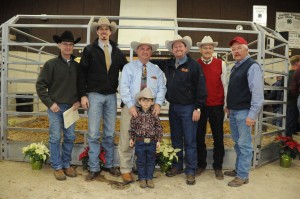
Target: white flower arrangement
[[36, 152], [166, 152]]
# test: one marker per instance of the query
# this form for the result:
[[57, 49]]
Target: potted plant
[[84, 158], [166, 154], [288, 148], [38, 153]]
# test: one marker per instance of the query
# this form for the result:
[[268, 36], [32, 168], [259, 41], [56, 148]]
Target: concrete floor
[[18, 181]]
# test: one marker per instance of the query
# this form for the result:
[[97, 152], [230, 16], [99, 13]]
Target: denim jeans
[[106, 106], [241, 135], [215, 116], [60, 158], [145, 162], [183, 133], [278, 121]]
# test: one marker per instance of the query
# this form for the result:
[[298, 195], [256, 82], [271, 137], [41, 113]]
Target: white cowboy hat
[[144, 40], [145, 93], [187, 40], [104, 21], [207, 40]]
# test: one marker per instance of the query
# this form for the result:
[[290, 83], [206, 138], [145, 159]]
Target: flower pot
[[285, 161], [166, 166], [37, 165]]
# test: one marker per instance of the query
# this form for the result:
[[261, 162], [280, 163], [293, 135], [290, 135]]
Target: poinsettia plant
[[84, 157], [166, 152], [288, 146]]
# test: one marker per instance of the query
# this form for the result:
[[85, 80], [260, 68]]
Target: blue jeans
[[60, 158], [278, 121], [241, 135], [145, 162], [106, 106], [183, 133]]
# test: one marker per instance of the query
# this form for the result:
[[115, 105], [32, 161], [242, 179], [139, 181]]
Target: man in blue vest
[[244, 100]]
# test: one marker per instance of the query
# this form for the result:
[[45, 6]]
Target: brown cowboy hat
[[65, 36], [103, 21]]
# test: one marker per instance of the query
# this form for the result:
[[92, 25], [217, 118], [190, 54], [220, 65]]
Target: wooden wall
[[212, 9]]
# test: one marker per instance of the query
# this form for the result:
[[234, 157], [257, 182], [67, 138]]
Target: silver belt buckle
[[147, 140]]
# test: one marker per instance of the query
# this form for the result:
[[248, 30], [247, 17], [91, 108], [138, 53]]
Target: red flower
[[288, 146], [84, 157]]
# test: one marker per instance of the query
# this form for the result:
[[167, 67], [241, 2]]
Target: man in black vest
[[244, 100]]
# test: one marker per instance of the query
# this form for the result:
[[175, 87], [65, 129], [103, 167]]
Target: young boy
[[145, 133]]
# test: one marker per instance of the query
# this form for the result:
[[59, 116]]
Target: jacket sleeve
[[83, 73], [201, 92], [43, 83]]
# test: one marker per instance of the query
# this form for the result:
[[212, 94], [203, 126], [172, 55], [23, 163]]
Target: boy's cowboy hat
[[65, 36], [207, 40], [145, 93], [187, 40], [144, 40], [103, 21]]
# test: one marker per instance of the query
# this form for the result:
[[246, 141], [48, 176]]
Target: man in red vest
[[216, 84]]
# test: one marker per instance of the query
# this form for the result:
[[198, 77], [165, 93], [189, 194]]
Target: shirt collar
[[206, 61], [238, 63], [101, 44], [182, 60]]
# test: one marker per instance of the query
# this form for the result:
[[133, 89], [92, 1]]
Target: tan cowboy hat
[[187, 40], [145, 93], [207, 40], [104, 21], [144, 40]]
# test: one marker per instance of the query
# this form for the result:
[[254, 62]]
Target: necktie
[[144, 77], [107, 57], [206, 61], [68, 61], [177, 64]]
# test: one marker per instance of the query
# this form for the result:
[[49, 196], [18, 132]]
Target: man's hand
[[54, 108], [76, 105], [132, 111], [156, 109], [85, 102], [196, 116], [250, 122]]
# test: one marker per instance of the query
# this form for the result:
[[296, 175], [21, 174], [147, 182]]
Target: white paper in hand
[[70, 116]]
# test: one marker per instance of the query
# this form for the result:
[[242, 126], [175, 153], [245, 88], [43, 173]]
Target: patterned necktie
[[107, 57], [144, 77]]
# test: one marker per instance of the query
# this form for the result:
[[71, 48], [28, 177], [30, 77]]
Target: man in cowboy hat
[[215, 73], [56, 86], [186, 92], [98, 76], [137, 75], [244, 100]]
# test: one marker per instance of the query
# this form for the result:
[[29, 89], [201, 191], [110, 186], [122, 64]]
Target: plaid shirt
[[146, 125]]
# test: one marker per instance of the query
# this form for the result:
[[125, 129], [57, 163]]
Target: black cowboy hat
[[66, 36]]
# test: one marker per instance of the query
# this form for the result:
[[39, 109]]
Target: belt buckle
[[147, 140]]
